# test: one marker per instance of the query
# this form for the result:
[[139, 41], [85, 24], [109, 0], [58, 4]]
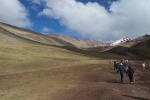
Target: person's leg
[[114, 67], [123, 78], [130, 78]]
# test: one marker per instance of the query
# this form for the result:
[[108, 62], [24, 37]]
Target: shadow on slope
[[120, 50], [94, 53], [137, 98], [141, 49]]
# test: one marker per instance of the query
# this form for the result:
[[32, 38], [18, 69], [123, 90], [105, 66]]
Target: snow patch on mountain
[[120, 41]]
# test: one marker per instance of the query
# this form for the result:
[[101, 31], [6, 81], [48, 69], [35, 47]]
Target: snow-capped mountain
[[120, 41]]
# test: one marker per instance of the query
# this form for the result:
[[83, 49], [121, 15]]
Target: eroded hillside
[[34, 70], [52, 39]]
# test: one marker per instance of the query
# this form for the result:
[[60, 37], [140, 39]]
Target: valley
[[37, 67]]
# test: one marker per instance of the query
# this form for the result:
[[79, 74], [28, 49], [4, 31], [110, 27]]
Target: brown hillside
[[31, 70], [30, 35], [120, 50], [141, 49], [51, 39]]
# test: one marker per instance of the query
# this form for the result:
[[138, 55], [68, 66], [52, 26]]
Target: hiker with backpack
[[116, 66], [122, 72], [130, 73]]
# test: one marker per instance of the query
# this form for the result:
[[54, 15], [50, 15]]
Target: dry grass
[[32, 71]]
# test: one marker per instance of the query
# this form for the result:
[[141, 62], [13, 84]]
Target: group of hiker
[[121, 67]]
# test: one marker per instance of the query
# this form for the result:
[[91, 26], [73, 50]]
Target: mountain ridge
[[61, 40], [52, 39]]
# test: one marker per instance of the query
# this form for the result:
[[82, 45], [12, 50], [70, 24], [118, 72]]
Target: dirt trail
[[102, 83], [91, 82]]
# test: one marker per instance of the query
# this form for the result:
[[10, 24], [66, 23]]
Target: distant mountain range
[[52, 39], [137, 48], [125, 40], [60, 40]]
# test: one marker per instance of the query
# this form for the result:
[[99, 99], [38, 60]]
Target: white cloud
[[14, 13], [126, 18], [46, 30], [39, 2]]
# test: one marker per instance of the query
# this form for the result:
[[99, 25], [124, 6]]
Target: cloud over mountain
[[125, 18], [14, 13]]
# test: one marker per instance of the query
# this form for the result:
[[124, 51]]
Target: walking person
[[130, 73], [122, 72], [143, 66], [116, 66], [147, 63]]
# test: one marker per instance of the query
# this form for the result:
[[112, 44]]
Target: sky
[[102, 20]]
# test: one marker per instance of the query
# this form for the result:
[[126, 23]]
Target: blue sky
[[52, 25], [103, 20]]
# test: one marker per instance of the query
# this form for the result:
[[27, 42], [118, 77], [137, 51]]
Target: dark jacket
[[130, 71], [122, 69]]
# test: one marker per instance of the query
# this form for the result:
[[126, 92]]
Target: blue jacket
[[122, 69]]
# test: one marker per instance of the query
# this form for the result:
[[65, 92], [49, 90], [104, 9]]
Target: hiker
[[122, 61], [125, 63], [143, 65], [116, 66], [147, 63], [130, 73], [122, 71]]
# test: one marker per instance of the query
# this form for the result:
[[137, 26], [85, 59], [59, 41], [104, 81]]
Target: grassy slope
[[30, 35], [33, 71], [15, 51], [23, 63]]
